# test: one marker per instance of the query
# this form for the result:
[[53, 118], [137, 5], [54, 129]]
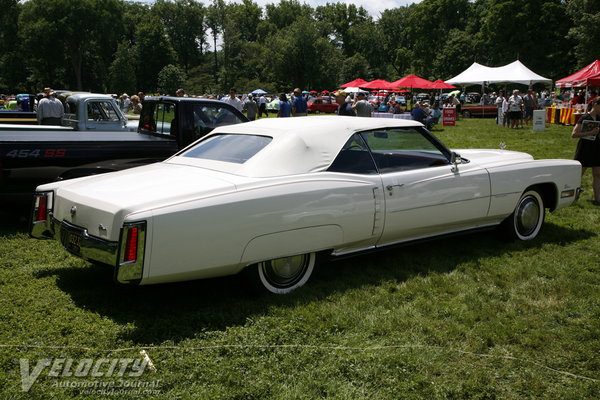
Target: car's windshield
[[228, 148]]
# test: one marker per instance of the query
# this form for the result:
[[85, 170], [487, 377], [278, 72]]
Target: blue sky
[[374, 7]]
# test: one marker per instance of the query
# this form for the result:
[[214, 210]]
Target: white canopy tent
[[514, 72]]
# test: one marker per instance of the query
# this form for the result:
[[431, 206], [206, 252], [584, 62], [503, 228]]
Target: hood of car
[[100, 203], [493, 158]]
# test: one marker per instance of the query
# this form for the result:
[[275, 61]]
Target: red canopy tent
[[587, 76], [355, 83], [379, 84], [440, 84], [412, 81]]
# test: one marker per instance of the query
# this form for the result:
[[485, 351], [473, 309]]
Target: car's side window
[[401, 149], [354, 158], [164, 118], [102, 111]]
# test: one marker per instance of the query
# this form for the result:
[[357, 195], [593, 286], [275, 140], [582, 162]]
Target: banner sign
[[449, 116]]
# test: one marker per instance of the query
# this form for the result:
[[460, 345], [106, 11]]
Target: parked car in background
[[270, 198], [487, 111], [84, 112], [422, 97], [29, 157], [472, 97], [273, 106], [322, 105]]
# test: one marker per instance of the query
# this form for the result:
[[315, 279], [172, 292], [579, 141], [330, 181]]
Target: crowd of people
[[514, 110], [296, 104], [133, 104]]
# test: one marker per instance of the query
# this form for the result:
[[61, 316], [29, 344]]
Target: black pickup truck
[[167, 124]]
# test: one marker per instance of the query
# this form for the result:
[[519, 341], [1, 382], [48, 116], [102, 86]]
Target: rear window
[[159, 118], [228, 148]]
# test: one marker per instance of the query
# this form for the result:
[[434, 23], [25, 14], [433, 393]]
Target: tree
[[65, 40], [153, 52], [170, 78], [298, 57], [341, 22], [185, 27], [427, 24], [215, 20], [122, 76], [584, 31], [11, 75], [285, 13], [528, 31], [247, 17], [454, 55], [394, 44], [354, 67]]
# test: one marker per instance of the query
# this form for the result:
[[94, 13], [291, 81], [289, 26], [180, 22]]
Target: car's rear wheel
[[282, 275], [526, 220]]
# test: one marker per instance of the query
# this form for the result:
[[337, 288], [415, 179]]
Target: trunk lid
[[100, 203]]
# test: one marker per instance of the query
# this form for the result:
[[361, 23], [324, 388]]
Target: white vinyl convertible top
[[299, 145]]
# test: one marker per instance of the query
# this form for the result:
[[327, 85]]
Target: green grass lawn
[[468, 317]]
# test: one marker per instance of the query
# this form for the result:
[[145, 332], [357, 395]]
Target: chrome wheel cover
[[527, 216], [286, 271]]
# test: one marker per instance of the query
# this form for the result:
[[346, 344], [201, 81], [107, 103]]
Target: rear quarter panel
[[220, 235]]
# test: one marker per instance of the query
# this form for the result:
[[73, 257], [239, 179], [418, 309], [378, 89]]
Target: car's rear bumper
[[78, 242]]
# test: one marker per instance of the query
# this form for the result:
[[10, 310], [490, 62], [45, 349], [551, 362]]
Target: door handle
[[390, 188]]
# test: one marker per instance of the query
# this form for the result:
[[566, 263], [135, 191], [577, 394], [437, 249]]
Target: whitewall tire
[[526, 220], [282, 275]]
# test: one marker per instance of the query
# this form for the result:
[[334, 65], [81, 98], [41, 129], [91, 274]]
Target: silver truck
[[85, 112]]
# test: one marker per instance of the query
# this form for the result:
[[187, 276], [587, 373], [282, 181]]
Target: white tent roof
[[514, 72]]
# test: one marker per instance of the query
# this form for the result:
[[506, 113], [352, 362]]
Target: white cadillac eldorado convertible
[[270, 197]]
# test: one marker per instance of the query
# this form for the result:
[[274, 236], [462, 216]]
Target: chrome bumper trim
[[78, 242]]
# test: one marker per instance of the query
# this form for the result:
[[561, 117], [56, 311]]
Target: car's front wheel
[[282, 275], [526, 220]]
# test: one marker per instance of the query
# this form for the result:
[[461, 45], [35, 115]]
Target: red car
[[322, 105], [489, 110]]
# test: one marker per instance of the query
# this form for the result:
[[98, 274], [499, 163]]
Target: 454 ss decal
[[37, 153]]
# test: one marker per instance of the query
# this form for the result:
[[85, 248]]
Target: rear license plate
[[71, 241], [74, 242]]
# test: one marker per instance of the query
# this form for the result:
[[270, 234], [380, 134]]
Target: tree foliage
[[121, 46], [170, 78]]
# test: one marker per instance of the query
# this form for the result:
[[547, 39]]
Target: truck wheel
[[526, 220]]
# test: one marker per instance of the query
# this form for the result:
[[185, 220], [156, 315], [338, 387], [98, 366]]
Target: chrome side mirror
[[455, 160]]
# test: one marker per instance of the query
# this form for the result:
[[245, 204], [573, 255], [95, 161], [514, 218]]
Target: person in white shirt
[[506, 121], [515, 109], [233, 100], [501, 119]]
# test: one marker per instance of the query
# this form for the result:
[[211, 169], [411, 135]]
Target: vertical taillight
[[131, 245], [41, 216], [42, 206]]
